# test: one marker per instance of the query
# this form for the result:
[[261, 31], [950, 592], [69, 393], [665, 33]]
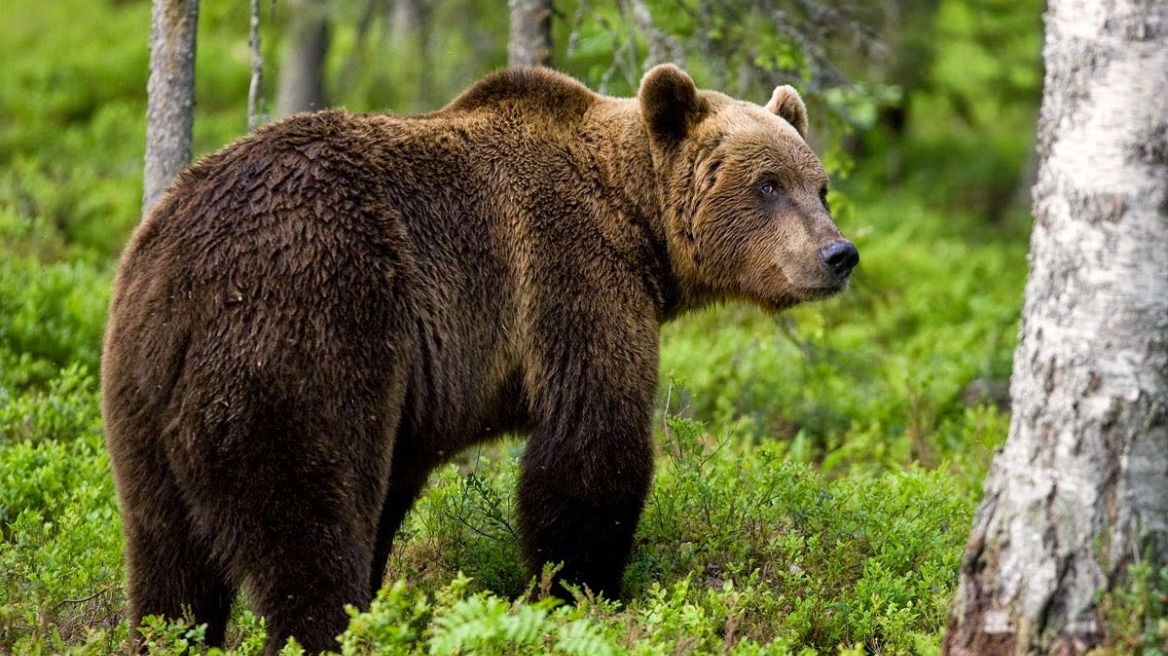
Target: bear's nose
[[840, 256]]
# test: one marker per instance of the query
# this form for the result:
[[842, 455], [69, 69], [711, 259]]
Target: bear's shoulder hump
[[535, 89]]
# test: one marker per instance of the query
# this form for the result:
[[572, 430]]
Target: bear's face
[[745, 195]]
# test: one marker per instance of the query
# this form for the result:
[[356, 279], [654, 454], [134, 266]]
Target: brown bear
[[316, 316]]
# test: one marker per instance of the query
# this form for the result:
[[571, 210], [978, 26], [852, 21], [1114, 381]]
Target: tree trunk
[[1080, 490], [530, 43], [255, 90], [411, 22], [301, 84], [170, 105]]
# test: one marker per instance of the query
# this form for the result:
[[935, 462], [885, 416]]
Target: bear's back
[[313, 165]]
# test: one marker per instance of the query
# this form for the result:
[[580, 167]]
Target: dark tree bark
[[301, 83], [170, 93], [1080, 491], [530, 43]]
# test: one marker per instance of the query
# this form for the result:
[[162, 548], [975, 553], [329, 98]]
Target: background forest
[[817, 471]]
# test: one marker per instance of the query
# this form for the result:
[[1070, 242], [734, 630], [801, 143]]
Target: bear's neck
[[625, 167]]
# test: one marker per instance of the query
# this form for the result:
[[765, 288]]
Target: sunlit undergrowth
[[739, 548]]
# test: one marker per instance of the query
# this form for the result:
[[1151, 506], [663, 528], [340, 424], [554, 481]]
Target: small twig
[[82, 600], [665, 415], [465, 522]]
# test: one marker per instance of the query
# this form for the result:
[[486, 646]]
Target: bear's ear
[[787, 104], [669, 103]]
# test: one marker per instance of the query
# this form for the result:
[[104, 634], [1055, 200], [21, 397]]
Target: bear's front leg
[[588, 465]]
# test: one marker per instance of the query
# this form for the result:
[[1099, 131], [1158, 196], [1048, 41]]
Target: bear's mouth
[[815, 293], [825, 286]]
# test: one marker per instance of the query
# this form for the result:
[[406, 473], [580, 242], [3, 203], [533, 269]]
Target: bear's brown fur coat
[[316, 316]]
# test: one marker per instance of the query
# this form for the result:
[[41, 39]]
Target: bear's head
[[744, 196]]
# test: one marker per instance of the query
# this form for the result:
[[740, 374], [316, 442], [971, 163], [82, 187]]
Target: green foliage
[[60, 537], [859, 559], [976, 69], [1137, 612], [395, 621], [732, 539], [70, 123], [466, 521], [51, 315], [970, 108]]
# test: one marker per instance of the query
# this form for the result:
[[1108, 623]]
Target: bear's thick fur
[[316, 316]]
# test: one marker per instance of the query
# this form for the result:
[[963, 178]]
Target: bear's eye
[[768, 188], [823, 197]]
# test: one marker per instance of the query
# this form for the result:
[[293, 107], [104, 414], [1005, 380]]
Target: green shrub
[[464, 522], [60, 535], [1136, 612], [52, 315]]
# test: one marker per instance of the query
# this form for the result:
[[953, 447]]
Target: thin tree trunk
[[1080, 491], [530, 43], [406, 19], [301, 83], [411, 22], [255, 90], [170, 104]]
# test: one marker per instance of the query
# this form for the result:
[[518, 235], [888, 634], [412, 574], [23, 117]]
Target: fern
[[582, 638]]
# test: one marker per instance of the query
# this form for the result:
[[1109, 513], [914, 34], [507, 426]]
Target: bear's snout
[[840, 257]]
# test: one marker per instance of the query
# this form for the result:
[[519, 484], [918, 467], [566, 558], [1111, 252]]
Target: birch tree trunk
[[1080, 490], [301, 83], [170, 90], [530, 43], [255, 90]]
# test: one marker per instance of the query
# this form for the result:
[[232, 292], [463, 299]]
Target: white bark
[[1080, 490], [255, 90], [170, 92], [530, 42]]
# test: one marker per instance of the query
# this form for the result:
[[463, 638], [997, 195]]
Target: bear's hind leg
[[170, 569], [303, 585], [297, 510]]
